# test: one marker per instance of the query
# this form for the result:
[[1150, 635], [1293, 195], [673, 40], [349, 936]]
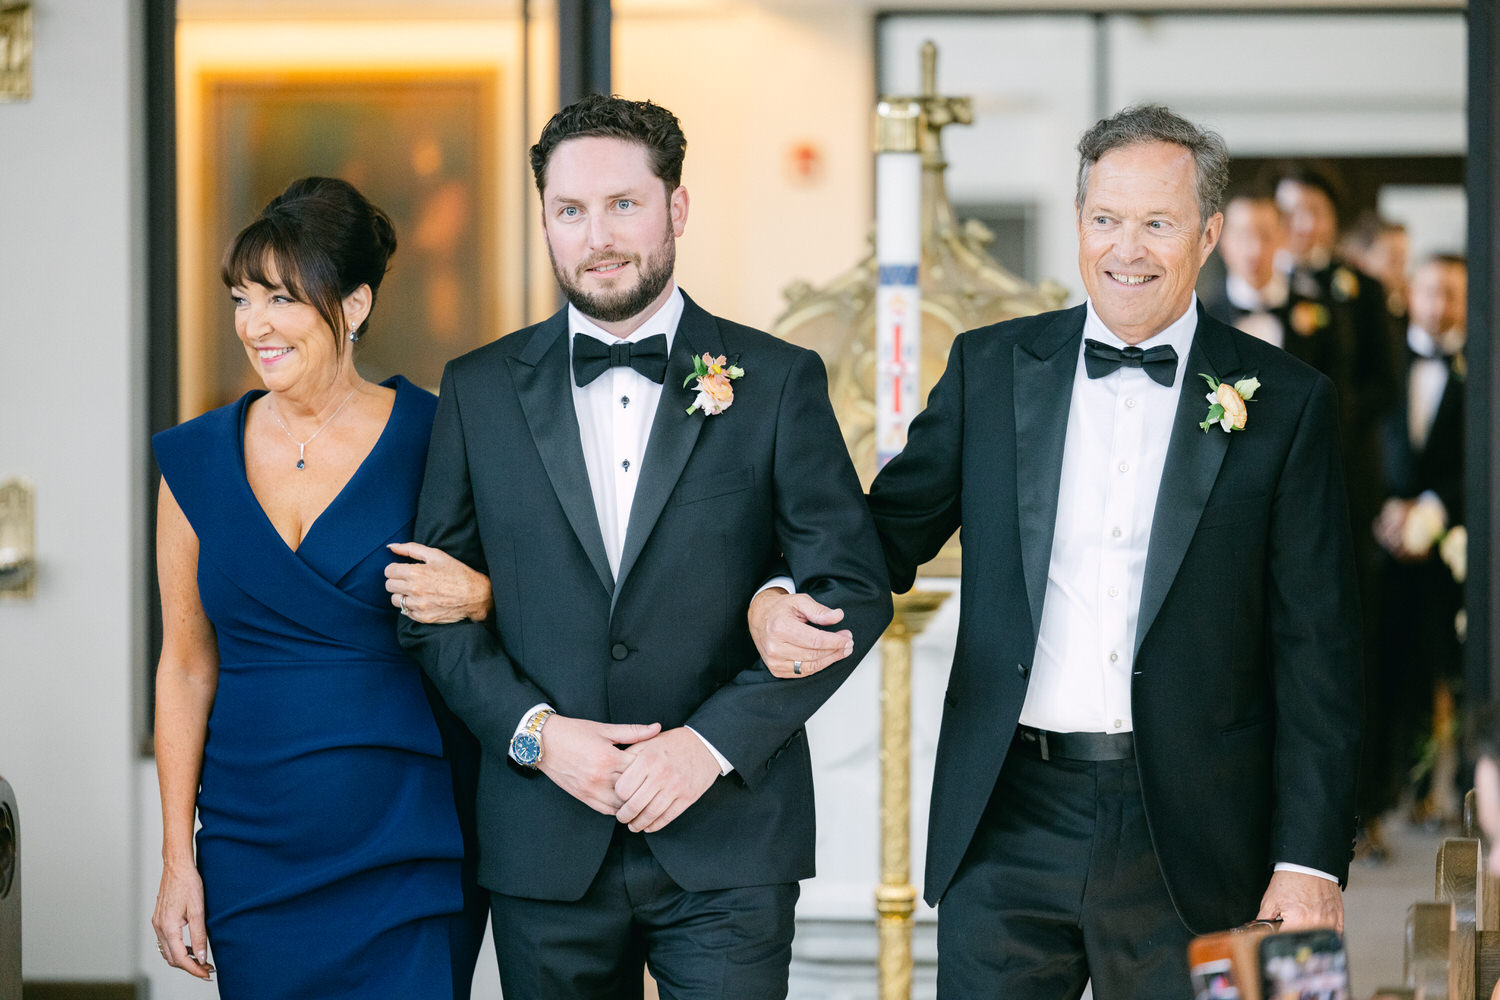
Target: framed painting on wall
[[420, 145]]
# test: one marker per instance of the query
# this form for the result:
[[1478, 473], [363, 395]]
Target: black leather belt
[[1075, 746]]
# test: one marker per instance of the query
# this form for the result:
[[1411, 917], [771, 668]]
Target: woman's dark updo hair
[[321, 239]]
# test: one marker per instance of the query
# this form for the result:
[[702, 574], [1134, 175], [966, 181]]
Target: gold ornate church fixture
[[960, 287], [15, 51], [895, 896]]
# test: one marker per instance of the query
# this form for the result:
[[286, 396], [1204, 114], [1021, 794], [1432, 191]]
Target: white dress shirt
[[1113, 456], [1259, 321], [1425, 385], [615, 412]]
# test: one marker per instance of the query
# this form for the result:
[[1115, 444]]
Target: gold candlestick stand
[[896, 897]]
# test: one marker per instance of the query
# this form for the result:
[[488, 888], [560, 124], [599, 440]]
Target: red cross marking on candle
[[896, 369]]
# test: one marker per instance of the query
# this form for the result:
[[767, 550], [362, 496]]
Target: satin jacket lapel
[[1191, 467], [673, 432], [1043, 367], [543, 377]]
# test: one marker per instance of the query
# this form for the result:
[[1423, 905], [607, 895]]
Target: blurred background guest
[[1253, 294], [1382, 249], [1338, 324], [1420, 649]]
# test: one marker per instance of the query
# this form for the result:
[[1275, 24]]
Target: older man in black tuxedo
[[1152, 723], [628, 472]]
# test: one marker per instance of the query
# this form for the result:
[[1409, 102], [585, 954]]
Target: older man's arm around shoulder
[[831, 550], [915, 506]]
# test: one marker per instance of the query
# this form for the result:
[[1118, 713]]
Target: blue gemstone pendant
[[301, 464]]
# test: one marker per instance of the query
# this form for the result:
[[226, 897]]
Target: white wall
[[749, 84], [71, 287], [1271, 84]]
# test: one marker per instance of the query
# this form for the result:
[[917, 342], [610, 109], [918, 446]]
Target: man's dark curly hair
[[651, 125]]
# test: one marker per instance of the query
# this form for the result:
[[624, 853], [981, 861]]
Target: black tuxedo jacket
[[1439, 464], [1418, 600], [720, 501], [1246, 694], [1355, 347]]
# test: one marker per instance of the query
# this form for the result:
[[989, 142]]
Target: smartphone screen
[[1214, 980], [1304, 965]]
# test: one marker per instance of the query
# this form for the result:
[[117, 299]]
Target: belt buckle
[[1041, 742]]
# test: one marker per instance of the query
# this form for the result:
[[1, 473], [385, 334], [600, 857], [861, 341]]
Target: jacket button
[[1021, 669], [619, 651]]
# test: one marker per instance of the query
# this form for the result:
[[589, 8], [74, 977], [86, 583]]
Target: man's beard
[[619, 305]]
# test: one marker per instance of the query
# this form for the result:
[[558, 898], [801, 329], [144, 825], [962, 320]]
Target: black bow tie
[[593, 357], [1159, 362]]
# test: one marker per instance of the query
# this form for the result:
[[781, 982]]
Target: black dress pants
[[728, 944], [1061, 885]]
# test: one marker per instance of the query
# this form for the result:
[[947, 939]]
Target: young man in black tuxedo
[[1253, 295], [1424, 464], [1348, 335], [1152, 723], [628, 472]]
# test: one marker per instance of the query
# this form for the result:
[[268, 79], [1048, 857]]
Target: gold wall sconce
[[15, 51], [17, 539]]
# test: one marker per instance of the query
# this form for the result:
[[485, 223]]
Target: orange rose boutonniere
[[1308, 317], [715, 394], [1227, 402], [1345, 285]]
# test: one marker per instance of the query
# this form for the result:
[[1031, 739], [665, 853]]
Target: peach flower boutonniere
[[1308, 317], [1227, 402], [715, 394]]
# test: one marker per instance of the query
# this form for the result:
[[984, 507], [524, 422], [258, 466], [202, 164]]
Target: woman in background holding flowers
[[288, 720]]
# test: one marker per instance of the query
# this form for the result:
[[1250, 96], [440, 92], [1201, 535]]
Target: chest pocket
[[715, 484]]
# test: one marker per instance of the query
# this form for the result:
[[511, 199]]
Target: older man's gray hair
[[1155, 123]]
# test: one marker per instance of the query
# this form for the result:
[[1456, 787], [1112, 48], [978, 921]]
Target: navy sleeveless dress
[[330, 845]]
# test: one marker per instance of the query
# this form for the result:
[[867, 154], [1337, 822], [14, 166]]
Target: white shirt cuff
[[724, 766], [522, 724], [784, 582], [1287, 866]]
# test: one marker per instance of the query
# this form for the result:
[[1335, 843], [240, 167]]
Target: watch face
[[526, 748]]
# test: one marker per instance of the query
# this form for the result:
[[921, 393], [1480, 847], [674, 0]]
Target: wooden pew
[[10, 894], [1489, 918], [1459, 882], [1453, 944], [1429, 939]]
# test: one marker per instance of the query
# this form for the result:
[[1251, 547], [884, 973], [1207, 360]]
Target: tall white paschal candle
[[898, 252]]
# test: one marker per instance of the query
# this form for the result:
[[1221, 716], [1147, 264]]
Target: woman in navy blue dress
[[288, 720]]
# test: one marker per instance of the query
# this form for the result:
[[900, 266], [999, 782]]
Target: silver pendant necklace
[[302, 445]]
